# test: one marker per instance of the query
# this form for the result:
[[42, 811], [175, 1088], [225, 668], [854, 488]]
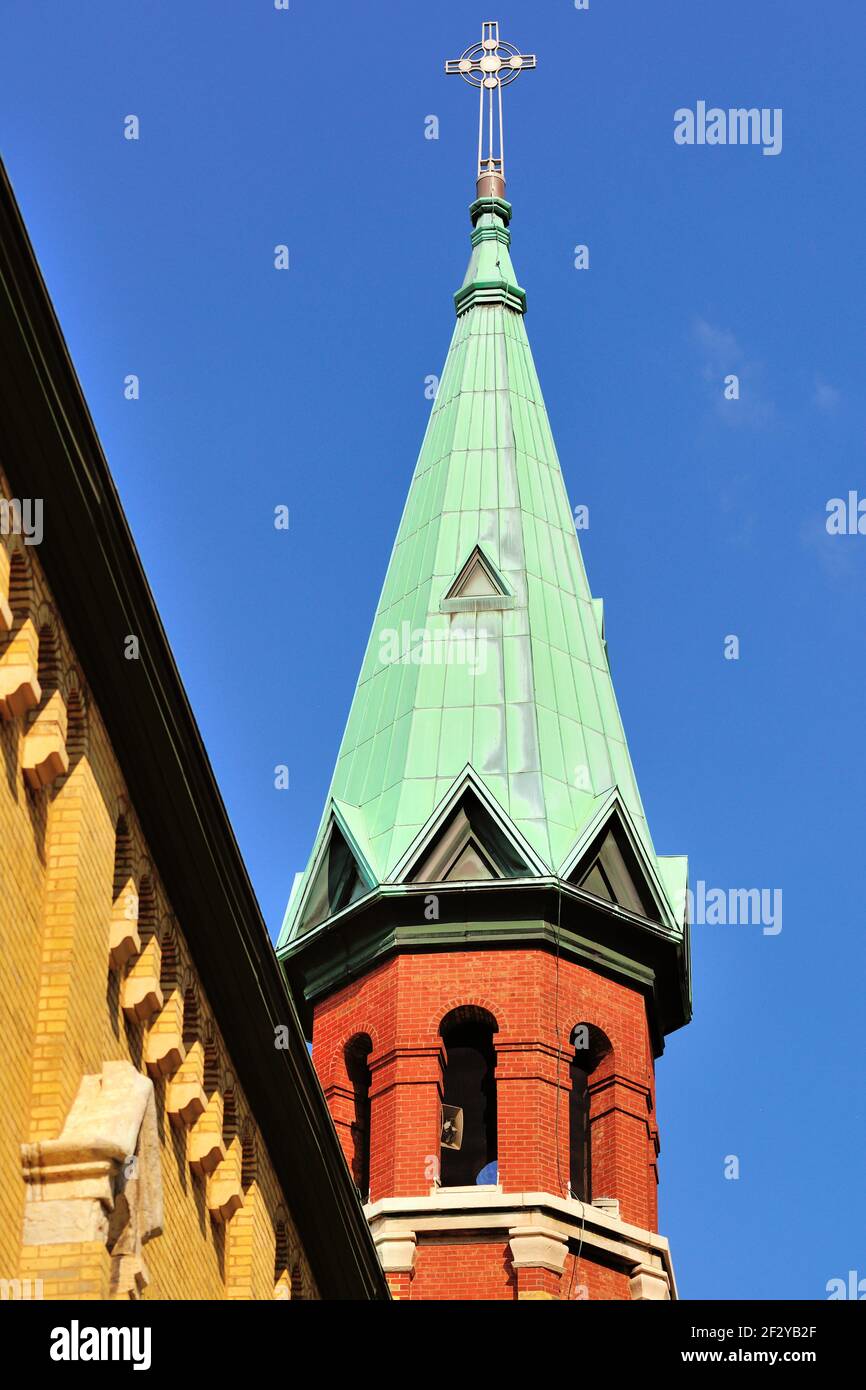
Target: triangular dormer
[[338, 876], [478, 586], [457, 856], [609, 877], [610, 861], [469, 839]]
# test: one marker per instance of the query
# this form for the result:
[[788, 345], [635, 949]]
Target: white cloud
[[826, 397], [839, 556], [722, 356]]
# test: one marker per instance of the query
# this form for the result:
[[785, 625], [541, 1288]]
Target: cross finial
[[490, 65]]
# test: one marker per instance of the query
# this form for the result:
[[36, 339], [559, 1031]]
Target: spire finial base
[[490, 186]]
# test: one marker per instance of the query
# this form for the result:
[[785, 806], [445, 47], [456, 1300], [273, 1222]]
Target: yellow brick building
[[164, 1134]]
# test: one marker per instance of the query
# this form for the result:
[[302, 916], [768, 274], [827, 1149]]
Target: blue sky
[[707, 518]]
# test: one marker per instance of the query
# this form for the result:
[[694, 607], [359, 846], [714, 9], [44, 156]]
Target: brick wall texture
[[61, 1001], [536, 1001]]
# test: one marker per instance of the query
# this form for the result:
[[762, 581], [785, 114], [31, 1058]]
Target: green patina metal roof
[[510, 678]]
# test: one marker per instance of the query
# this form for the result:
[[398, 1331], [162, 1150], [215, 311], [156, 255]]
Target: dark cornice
[[546, 914], [49, 449]]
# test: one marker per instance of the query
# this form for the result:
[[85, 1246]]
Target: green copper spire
[[484, 740], [487, 657]]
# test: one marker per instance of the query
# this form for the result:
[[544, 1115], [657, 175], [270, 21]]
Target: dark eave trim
[[507, 914]]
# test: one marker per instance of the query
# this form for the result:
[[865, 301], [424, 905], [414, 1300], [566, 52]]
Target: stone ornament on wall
[[100, 1180]]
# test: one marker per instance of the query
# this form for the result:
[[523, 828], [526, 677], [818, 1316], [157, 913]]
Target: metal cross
[[490, 65]]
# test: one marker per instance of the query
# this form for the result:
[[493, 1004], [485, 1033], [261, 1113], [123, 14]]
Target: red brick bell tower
[[570, 1209], [485, 947]]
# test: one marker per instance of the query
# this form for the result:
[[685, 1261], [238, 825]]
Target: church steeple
[[514, 687], [484, 833]]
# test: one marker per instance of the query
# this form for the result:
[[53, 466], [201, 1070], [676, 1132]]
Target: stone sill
[[489, 1208]]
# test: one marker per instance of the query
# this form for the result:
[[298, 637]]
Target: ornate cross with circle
[[490, 65]]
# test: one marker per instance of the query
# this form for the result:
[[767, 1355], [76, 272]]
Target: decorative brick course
[[62, 1014]]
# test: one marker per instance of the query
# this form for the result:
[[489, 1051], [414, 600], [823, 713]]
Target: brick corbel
[[44, 756], [225, 1193], [124, 941], [185, 1096], [164, 1047], [206, 1147], [141, 993], [20, 691]]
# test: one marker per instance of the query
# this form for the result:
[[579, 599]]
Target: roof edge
[[49, 443]]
